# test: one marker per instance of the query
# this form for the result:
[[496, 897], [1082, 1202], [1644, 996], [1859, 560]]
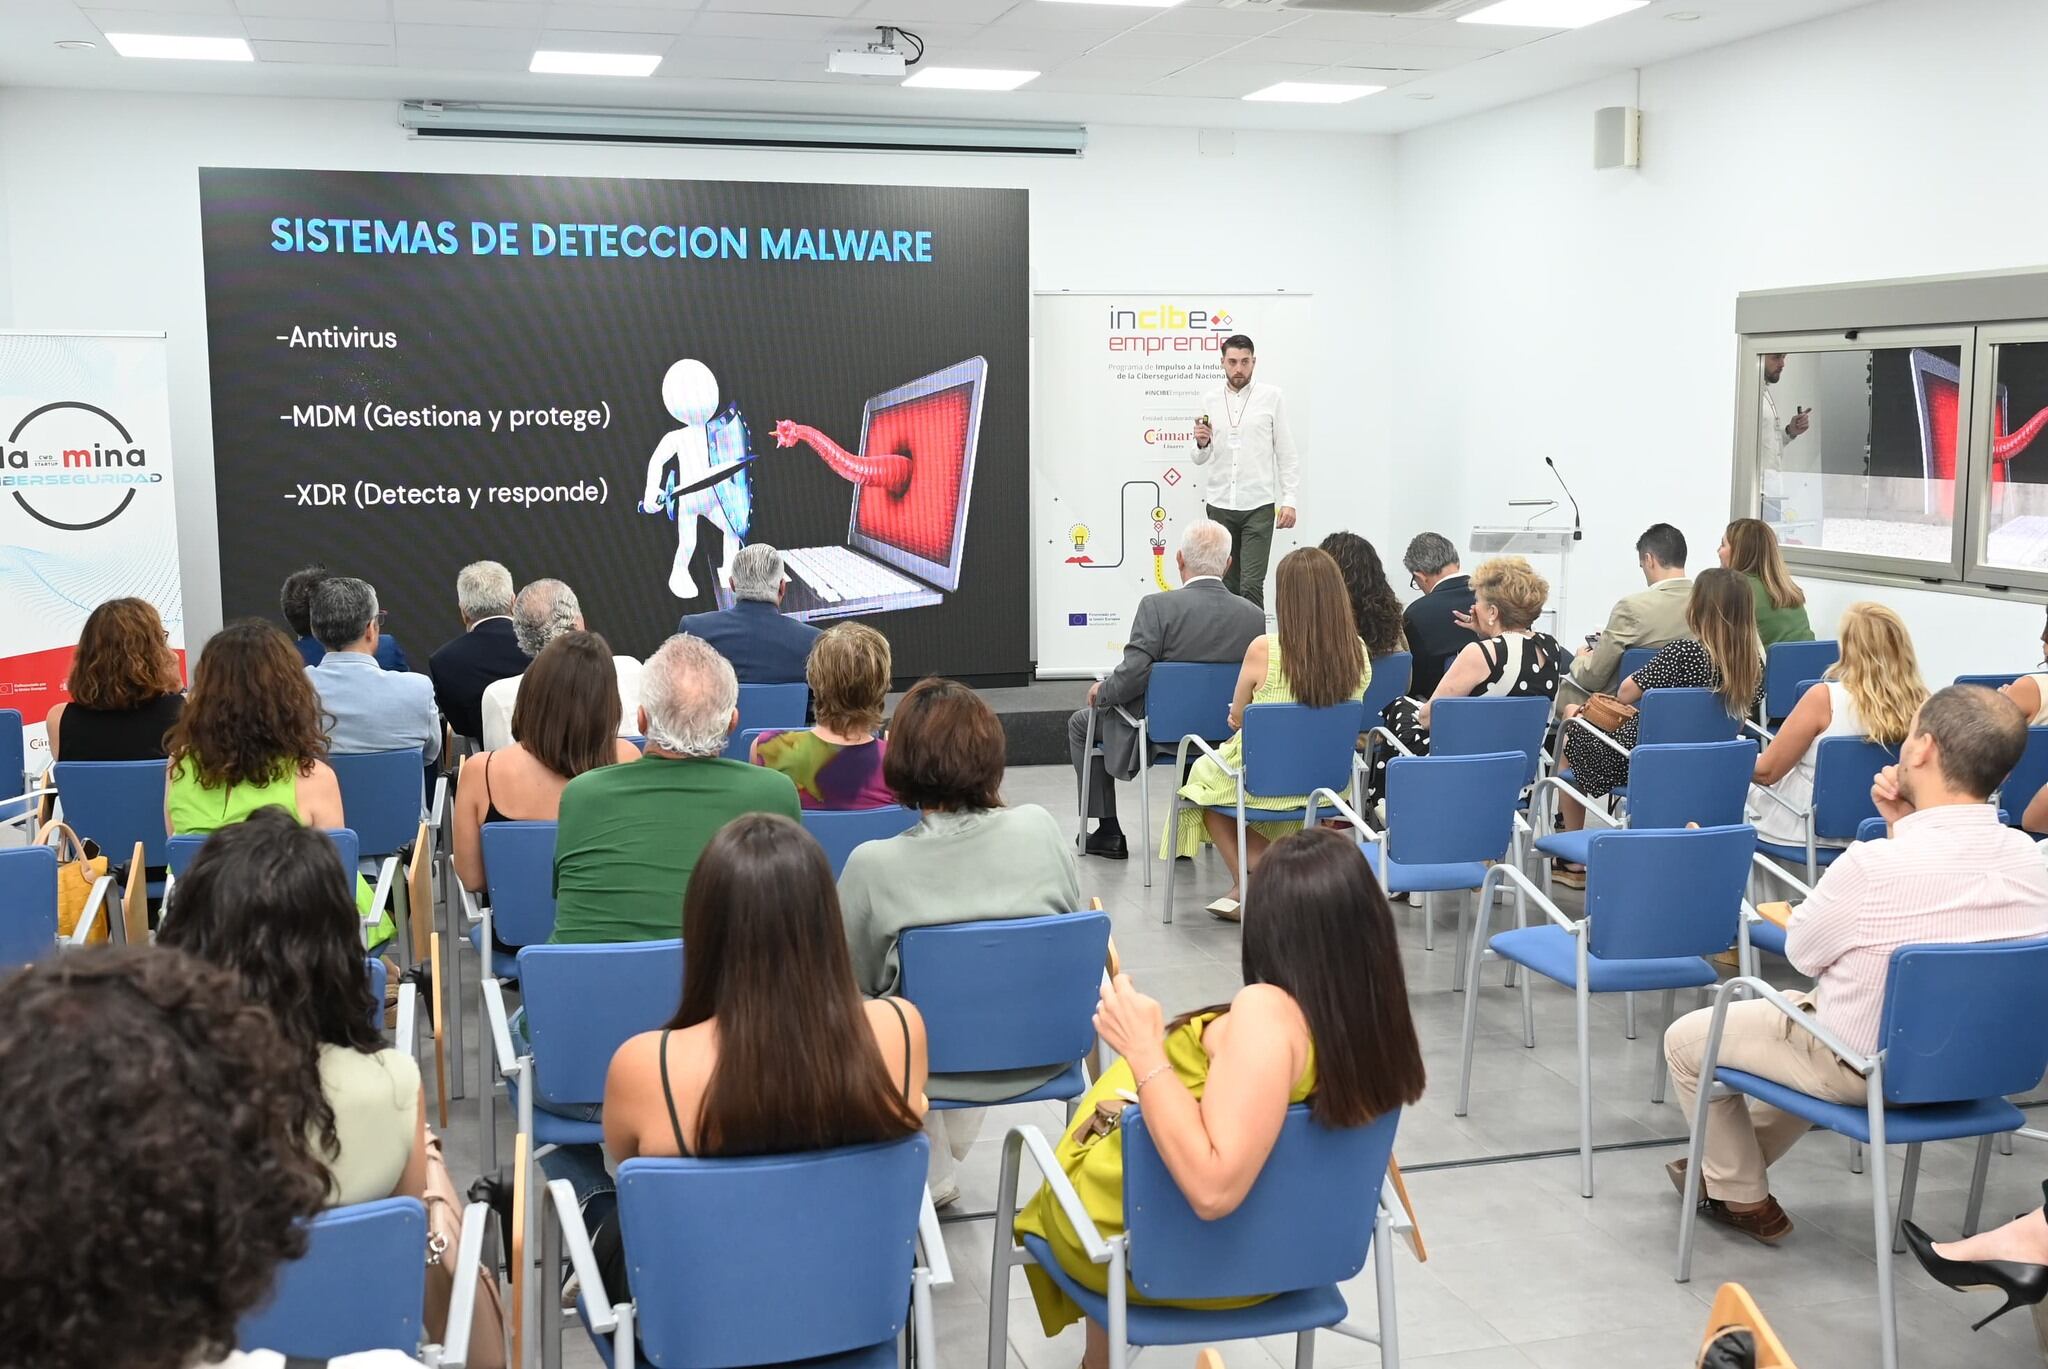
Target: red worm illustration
[[891, 473], [2006, 446]]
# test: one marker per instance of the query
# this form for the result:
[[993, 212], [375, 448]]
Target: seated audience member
[[1200, 621], [1650, 617], [2011, 1260], [565, 722], [2030, 691], [362, 707], [296, 600], [1437, 625], [1872, 691], [837, 763], [1314, 659], [152, 1063], [763, 646], [1510, 660], [1375, 608], [1720, 653], [486, 652], [264, 899], [1950, 873], [544, 611], [1750, 548], [630, 834], [124, 684], [1323, 1019], [969, 859]]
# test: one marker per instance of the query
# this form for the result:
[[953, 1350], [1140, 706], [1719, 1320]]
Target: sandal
[[1570, 876]]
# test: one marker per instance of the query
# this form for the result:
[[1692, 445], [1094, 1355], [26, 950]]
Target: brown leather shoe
[[1768, 1224]]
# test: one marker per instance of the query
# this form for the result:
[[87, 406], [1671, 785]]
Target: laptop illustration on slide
[[903, 544]]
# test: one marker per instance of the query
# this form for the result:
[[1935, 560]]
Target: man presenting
[[1244, 429], [1773, 436]]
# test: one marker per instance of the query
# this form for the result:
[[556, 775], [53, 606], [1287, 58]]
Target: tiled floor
[[1522, 1271]]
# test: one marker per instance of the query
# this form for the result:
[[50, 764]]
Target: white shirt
[[1771, 439], [499, 698], [1256, 460]]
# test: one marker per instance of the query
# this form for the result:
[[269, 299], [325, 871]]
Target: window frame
[[1977, 570]]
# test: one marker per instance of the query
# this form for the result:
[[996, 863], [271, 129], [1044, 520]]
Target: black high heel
[[2024, 1285]]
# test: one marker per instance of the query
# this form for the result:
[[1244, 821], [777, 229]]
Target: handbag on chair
[[76, 874], [1608, 713]]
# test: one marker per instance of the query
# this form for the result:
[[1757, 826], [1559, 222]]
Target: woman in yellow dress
[[1326, 664], [1323, 1018]]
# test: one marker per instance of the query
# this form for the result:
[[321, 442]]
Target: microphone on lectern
[[1578, 533]]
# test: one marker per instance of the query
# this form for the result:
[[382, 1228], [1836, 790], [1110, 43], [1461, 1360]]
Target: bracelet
[[1150, 1075]]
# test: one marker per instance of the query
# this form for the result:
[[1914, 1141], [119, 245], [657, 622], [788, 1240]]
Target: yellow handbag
[[76, 874]]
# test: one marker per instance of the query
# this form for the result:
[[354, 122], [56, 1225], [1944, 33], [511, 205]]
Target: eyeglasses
[[1414, 580], [383, 616]]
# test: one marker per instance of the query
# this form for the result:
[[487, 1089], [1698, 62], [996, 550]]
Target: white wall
[[99, 228], [1545, 308]]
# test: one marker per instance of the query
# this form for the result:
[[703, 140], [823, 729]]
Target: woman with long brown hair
[[1375, 608], [1325, 664], [1750, 548], [124, 682], [1323, 1019]]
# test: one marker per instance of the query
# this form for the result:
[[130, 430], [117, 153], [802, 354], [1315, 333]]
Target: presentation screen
[[618, 383]]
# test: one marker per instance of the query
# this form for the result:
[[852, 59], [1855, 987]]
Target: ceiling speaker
[[1617, 137]]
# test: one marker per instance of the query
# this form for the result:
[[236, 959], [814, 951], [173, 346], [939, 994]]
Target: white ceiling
[[1109, 63]]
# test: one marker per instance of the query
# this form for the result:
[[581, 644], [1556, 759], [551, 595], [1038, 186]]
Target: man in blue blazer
[[763, 646]]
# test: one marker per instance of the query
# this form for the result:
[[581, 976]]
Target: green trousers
[[1251, 543]]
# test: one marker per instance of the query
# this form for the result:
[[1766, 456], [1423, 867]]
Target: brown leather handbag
[[1608, 713]]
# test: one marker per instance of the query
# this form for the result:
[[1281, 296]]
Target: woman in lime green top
[[1323, 1018], [1326, 664], [1750, 548], [250, 738]]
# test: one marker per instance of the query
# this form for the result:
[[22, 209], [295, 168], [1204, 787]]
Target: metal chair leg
[[1172, 852], [1383, 1284], [1429, 922], [1628, 1009], [1855, 1157], [1585, 1005], [1528, 1012], [2005, 1143], [1887, 1310], [453, 939], [1906, 1189], [1145, 804], [1664, 1061], [1975, 1207], [1465, 901], [1305, 1349]]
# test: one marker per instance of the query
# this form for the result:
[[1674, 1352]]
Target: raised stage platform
[[1034, 718]]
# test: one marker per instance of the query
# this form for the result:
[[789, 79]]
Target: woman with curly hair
[[155, 1065], [1374, 606], [124, 682]]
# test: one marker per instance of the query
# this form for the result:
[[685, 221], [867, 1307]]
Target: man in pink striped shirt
[[1950, 872]]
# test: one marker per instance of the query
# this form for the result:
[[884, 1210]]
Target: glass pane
[[2019, 458], [1856, 450]]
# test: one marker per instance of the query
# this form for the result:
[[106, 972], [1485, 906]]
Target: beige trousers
[[1743, 1135]]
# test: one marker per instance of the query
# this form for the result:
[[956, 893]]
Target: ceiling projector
[[879, 58]]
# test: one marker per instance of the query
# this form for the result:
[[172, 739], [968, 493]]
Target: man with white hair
[[1200, 621], [544, 611], [629, 835], [763, 646], [486, 652]]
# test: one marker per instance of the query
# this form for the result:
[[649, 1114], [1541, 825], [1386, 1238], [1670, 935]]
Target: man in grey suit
[[1200, 621]]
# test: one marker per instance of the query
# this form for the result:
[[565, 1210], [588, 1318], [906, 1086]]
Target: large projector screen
[[618, 382]]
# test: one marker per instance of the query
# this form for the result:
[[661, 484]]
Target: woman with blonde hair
[[1325, 664], [838, 762], [1872, 691], [1750, 548]]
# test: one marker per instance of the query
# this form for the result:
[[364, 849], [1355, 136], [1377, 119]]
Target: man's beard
[[1237, 384]]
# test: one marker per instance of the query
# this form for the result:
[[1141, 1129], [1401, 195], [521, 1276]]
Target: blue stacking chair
[[1008, 994], [120, 805], [1391, 675], [1788, 668], [1658, 901], [1312, 1216], [764, 706], [740, 745], [839, 831], [382, 797], [1288, 749], [2027, 777], [1670, 785], [1843, 768], [1986, 681], [1182, 699], [1484, 726], [179, 850], [1963, 1026], [1765, 935], [769, 1259], [28, 906], [519, 877], [1447, 816], [17, 804], [1633, 659]]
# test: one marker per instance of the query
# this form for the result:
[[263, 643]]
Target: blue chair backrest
[[767, 705], [13, 754], [1872, 829], [1843, 768], [715, 1246], [1633, 659], [1391, 674], [1964, 1021], [1702, 782], [1183, 697], [179, 850], [115, 803], [1685, 715], [519, 873], [839, 831], [1307, 1222], [740, 744], [1445, 810], [381, 796], [1006, 994], [582, 1002], [1295, 749], [1666, 892], [1789, 664], [380, 984], [28, 905], [2026, 778], [1480, 727], [359, 1286], [1986, 681]]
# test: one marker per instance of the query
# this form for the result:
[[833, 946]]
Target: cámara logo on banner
[[73, 465]]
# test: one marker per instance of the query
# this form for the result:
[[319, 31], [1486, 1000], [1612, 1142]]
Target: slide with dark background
[[356, 321]]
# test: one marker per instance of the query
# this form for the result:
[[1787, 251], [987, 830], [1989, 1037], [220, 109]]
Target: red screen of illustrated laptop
[[932, 431]]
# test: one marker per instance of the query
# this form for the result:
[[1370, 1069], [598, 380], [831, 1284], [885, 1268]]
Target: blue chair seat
[[1070, 1082], [1549, 952], [1149, 1325], [1251, 814], [1426, 879], [1575, 847], [880, 1356], [1823, 856], [1902, 1125], [1767, 936], [551, 1129], [503, 966]]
